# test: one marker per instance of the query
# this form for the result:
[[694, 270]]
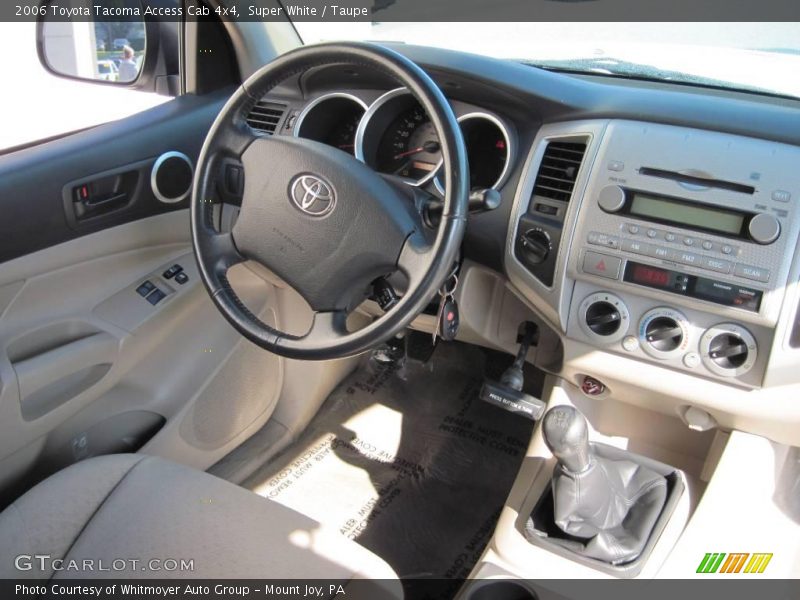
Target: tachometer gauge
[[332, 119], [409, 147], [343, 134]]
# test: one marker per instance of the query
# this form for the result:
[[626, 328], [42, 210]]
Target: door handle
[[94, 203]]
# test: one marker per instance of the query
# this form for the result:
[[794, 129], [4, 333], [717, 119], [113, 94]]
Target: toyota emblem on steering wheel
[[312, 195]]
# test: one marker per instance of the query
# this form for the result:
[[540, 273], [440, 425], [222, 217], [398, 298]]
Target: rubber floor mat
[[408, 462]]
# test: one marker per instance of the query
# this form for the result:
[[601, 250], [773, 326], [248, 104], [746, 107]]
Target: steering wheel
[[321, 220]]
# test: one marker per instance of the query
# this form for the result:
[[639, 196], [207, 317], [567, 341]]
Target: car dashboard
[[651, 228]]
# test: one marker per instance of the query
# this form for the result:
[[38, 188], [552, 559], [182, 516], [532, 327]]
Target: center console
[[669, 245]]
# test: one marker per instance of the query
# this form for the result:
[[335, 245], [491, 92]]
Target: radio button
[[716, 264], [659, 252], [750, 272], [633, 229], [652, 233], [602, 239], [687, 258], [670, 237], [616, 165], [727, 249], [636, 247], [688, 241], [601, 265], [707, 245], [781, 196]]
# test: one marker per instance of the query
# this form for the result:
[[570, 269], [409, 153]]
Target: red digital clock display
[[650, 276]]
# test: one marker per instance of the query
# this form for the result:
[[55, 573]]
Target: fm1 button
[[601, 265]]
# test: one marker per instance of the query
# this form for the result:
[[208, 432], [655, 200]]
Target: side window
[[38, 105]]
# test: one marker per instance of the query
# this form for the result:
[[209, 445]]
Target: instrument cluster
[[395, 136]]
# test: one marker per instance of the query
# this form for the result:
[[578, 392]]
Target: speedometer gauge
[[409, 147], [396, 137]]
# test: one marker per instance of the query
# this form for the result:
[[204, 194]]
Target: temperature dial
[[728, 350], [664, 333]]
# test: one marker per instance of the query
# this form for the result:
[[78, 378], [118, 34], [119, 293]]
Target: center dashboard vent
[[265, 116], [559, 169]]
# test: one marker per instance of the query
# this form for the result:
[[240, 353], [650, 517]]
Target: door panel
[[89, 364], [36, 183]]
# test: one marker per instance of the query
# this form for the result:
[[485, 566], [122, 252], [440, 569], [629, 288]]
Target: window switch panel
[[172, 271], [156, 296], [145, 288]]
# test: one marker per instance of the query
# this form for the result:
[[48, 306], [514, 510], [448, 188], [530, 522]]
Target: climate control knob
[[728, 350], [604, 317], [664, 333], [764, 228], [536, 245]]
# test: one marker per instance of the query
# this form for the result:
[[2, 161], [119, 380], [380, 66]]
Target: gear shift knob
[[566, 434]]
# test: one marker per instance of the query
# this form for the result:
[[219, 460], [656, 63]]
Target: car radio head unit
[[716, 230], [761, 228]]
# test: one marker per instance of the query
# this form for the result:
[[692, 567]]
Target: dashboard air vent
[[265, 116], [559, 169]]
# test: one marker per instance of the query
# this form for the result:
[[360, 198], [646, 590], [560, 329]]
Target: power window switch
[[156, 297], [145, 288], [181, 277], [172, 271]]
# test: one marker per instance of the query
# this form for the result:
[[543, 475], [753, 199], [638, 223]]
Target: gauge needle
[[429, 146]]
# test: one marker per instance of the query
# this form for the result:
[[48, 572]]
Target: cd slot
[[698, 181]]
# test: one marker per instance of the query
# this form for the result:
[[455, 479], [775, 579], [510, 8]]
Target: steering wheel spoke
[[327, 326], [235, 137], [224, 252], [414, 260]]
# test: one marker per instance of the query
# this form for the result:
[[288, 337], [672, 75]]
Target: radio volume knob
[[764, 228], [611, 198]]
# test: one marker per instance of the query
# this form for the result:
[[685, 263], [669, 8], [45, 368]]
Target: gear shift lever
[[612, 504], [567, 435]]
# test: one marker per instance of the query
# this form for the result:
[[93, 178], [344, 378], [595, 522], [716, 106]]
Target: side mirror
[[104, 41]]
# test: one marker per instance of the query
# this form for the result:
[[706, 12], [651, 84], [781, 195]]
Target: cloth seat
[[131, 507]]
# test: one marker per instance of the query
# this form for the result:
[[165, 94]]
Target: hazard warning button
[[601, 264]]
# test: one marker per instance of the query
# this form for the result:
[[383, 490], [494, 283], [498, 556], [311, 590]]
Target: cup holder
[[500, 590]]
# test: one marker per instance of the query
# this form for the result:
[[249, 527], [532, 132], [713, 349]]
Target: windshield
[[760, 57]]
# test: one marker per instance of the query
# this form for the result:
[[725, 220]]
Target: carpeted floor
[[406, 461]]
